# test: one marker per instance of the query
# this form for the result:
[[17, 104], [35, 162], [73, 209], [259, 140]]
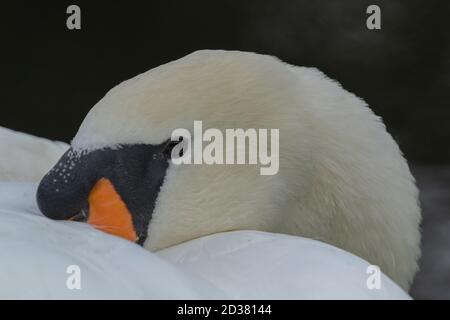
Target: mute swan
[[342, 178]]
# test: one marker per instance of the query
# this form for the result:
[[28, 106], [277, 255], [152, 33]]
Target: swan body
[[36, 254], [16, 151]]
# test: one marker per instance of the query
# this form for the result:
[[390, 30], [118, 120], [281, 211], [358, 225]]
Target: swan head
[[118, 173]]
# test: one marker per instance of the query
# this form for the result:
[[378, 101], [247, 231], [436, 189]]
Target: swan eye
[[169, 147]]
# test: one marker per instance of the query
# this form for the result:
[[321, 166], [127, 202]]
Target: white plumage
[[342, 178], [24, 157], [35, 253]]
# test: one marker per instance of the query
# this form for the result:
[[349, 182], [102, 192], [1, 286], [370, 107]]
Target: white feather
[[24, 157], [35, 253]]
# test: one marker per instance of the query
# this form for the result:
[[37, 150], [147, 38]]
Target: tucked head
[[341, 179], [118, 175]]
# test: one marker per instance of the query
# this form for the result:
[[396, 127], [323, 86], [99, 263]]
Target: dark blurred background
[[52, 76]]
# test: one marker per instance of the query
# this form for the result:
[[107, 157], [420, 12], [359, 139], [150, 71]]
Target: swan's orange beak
[[108, 212]]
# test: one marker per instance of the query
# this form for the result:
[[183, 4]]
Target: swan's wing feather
[[24, 157], [258, 265], [35, 253]]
